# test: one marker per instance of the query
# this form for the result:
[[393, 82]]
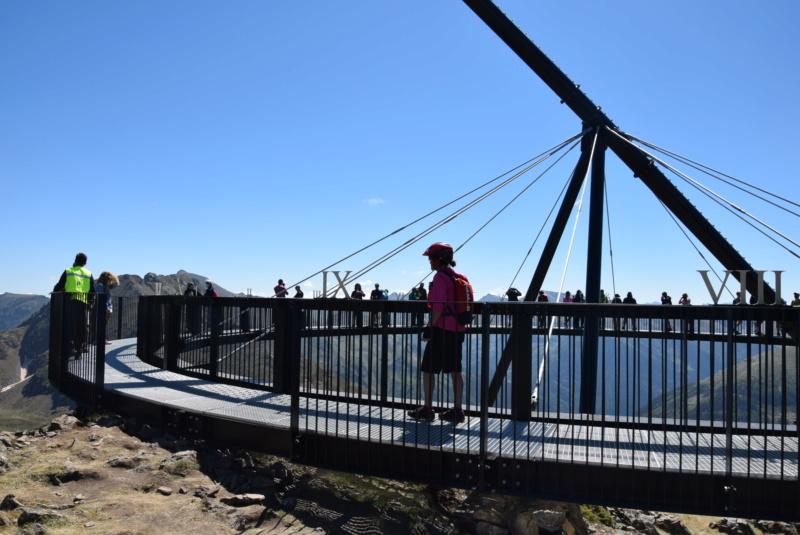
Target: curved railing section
[[707, 395]]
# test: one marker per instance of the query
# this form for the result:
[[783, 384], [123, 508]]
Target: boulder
[[9, 503], [4, 464], [672, 525], [165, 491], [243, 500], [65, 422], [37, 514], [734, 526], [640, 521], [549, 520], [123, 462], [769, 526], [525, 524]]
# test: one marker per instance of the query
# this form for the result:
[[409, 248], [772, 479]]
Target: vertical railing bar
[[100, 352], [484, 423], [729, 400]]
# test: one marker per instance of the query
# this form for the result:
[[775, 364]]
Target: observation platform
[[710, 412]]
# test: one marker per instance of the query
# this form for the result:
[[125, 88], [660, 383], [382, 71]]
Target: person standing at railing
[[542, 298], [375, 295], [567, 319], [210, 291], [280, 289], [577, 297], [78, 282], [513, 295], [358, 294], [629, 300], [796, 300], [298, 292], [192, 310], [666, 299], [444, 336], [688, 324], [617, 300], [103, 286], [603, 300]]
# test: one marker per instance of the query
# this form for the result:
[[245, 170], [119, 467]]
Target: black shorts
[[442, 352]]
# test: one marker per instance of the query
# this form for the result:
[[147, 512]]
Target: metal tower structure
[[600, 133]]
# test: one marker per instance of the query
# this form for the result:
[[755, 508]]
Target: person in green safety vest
[[78, 283]]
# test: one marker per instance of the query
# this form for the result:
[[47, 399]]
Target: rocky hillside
[[26, 396], [16, 308], [109, 475]]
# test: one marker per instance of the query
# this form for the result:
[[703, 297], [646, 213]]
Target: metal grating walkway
[[754, 456]]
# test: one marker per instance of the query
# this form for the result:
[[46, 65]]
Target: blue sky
[[254, 140]]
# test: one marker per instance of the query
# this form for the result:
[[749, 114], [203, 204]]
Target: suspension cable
[[549, 151], [691, 242], [719, 176], [447, 219], [538, 234], [509, 203], [716, 195], [610, 248], [723, 202]]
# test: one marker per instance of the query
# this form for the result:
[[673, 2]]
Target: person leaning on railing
[[78, 283]]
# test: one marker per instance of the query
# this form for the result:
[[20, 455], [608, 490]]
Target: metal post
[[172, 338], [729, 401], [521, 368], [594, 262], [293, 346], [484, 426], [384, 351], [100, 353], [281, 362], [119, 317], [216, 331]]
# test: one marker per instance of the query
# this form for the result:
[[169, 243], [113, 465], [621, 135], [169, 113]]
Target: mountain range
[[16, 308]]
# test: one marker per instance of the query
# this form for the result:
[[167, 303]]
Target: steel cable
[[549, 151], [720, 200], [719, 174], [442, 222]]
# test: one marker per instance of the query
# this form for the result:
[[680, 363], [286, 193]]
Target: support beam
[[562, 218], [652, 177], [594, 263], [560, 222], [567, 90]]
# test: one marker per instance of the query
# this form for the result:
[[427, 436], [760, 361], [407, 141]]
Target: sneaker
[[453, 415], [422, 413]]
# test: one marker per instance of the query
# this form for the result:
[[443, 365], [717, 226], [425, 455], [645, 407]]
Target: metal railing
[[694, 391]]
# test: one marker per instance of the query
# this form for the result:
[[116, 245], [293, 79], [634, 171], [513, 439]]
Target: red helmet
[[438, 250]]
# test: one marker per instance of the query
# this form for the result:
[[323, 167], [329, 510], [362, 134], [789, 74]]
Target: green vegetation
[[13, 420], [595, 514]]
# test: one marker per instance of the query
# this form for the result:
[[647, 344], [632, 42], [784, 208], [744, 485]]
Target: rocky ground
[[103, 474]]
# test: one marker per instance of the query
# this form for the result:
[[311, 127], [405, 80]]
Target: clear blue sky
[[253, 140]]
